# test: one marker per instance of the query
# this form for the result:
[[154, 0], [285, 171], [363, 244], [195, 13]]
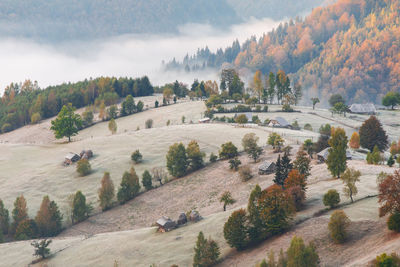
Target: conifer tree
[[302, 163], [279, 172], [256, 229], [129, 186], [287, 166], [206, 252], [106, 192], [235, 230], [20, 212], [177, 161], [48, 218], [337, 153], [146, 180], [80, 210], [390, 161], [4, 218], [298, 254]]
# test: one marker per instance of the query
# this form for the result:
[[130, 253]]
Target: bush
[[146, 180], [393, 222], [308, 127], [6, 128], [234, 164], [149, 124], [337, 226], [265, 108], [385, 260], [331, 198], [83, 167], [228, 151], [390, 161], [245, 173], [106, 192], [139, 106], [35, 118], [136, 156], [41, 248], [213, 157]]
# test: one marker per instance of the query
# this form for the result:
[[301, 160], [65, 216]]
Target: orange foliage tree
[[355, 141]]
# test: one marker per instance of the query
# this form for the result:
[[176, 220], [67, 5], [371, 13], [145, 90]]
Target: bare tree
[[159, 174]]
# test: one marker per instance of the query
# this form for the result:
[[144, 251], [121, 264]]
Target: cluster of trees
[[181, 160], [25, 103], [270, 211], [206, 252], [48, 220]]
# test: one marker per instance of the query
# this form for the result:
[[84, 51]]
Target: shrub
[[385, 260], [374, 157], [7, 127], [80, 210], [106, 192], [129, 186], [296, 125], [308, 127], [245, 173], [139, 106], [35, 118], [213, 157], [48, 218], [265, 108], [83, 167], [156, 103], [393, 222], [390, 161], [235, 230], [136, 156], [331, 198], [228, 151], [337, 226], [206, 252], [234, 164], [146, 180], [41, 248], [149, 124], [112, 126]]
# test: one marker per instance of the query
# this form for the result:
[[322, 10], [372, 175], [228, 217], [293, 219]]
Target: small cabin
[[368, 109], [204, 120], [279, 122], [71, 158], [165, 224], [323, 155], [266, 168]]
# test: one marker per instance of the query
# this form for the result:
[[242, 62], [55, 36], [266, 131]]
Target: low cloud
[[128, 55]]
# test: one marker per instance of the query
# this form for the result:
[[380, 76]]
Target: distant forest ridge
[[351, 47], [26, 103], [58, 20]]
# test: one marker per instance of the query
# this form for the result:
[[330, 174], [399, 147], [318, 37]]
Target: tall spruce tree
[[4, 218], [337, 161], [287, 166], [279, 173]]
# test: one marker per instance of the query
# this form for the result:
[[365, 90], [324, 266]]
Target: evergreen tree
[[20, 212], [48, 218], [41, 248], [80, 210], [337, 153], [279, 172], [302, 163], [129, 186], [106, 192], [287, 166], [298, 254], [372, 134], [194, 156], [390, 161], [235, 230], [67, 123], [206, 252], [256, 229], [177, 161], [4, 218], [146, 180]]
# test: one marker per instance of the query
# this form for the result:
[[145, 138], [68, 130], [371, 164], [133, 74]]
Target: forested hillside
[[351, 47]]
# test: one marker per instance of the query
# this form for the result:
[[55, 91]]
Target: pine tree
[[390, 161], [337, 153], [279, 172], [298, 254], [372, 134], [106, 192], [194, 156], [302, 163], [4, 218], [146, 180], [235, 230], [48, 218], [20, 212], [206, 252], [256, 229], [80, 210], [287, 166], [129, 186]]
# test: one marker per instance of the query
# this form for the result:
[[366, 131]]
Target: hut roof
[[324, 154], [166, 223], [367, 108], [72, 156], [266, 166], [282, 122]]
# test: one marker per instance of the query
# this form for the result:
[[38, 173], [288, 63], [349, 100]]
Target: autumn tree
[[129, 186], [48, 218], [349, 178], [258, 85], [106, 192], [67, 123], [80, 209], [206, 252], [389, 199], [4, 218], [302, 163], [112, 126], [295, 185], [298, 254], [20, 212], [372, 134], [83, 167], [338, 225], [355, 141], [195, 157], [228, 151], [177, 161], [249, 143], [235, 230], [241, 119], [337, 153], [167, 94]]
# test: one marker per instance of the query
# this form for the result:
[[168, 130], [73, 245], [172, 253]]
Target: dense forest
[[86, 19], [26, 103], [351, 47]]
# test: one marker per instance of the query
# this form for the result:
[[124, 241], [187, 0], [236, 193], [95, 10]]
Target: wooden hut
[[165, 224], [266, 168]]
